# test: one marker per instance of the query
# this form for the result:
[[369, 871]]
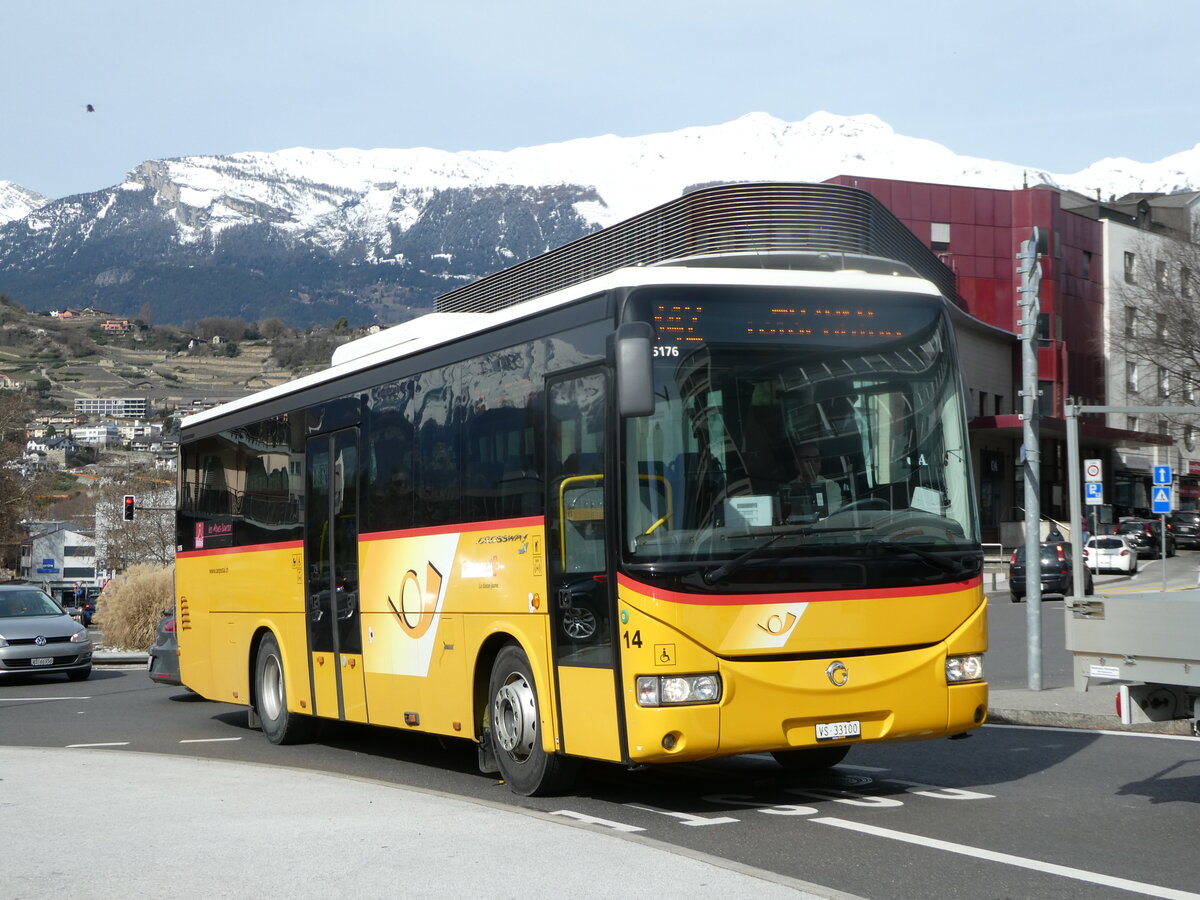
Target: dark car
[[1185, 527], [1056, 571], [38, 637], [163, 665], [1146, 536]]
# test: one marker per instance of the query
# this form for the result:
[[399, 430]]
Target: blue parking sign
[[1094, 494]]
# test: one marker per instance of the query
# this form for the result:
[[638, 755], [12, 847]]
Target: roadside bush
[[132, 604]]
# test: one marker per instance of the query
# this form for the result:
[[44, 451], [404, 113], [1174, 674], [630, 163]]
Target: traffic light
[[129, 507]]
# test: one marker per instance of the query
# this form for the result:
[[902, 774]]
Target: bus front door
[[331, 556], [581, 596]]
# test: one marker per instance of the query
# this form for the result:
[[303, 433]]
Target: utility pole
[[1027, 301]]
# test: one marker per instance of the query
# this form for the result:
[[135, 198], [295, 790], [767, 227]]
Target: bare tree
[[17, 492], [1157, 317], [273, 328], [150, 536]]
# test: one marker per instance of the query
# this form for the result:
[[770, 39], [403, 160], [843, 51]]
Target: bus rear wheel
[[270, 698], [813, 759], [516, 732]]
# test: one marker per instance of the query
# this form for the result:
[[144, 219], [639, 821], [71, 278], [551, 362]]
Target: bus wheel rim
[[515, 719], [272, 688]]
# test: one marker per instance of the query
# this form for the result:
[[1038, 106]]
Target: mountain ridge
[[310, 235]]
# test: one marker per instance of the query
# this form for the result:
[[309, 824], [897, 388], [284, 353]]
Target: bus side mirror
[[635, 372]]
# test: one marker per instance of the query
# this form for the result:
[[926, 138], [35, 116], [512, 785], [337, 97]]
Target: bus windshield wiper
[[952, 566], [721, 571]]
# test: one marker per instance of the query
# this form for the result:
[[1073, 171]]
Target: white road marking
[[1141, 734], [685, 818], [35, 699], [593, 820], [208, 740], [1008, 859], [109, 744]]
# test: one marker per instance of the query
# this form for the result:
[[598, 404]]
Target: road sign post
[[1161, 504]]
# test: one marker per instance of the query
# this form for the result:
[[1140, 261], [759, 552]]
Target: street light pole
[[1028, 303]]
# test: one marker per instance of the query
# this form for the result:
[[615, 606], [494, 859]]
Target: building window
[[1131, 423], [1185, 281], [999, 410], [1131, 377], [1164, 382], [1087, 264], [1130, 321], [1160, 274], [1162, 426], [1160, 326], [1130, 268], [1189, 437], [939, 235]]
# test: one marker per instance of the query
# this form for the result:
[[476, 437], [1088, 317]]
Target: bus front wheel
[[516, 729], [270, 698], [811, 760]]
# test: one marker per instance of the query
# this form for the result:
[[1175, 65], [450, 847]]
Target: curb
[[1084, 722]]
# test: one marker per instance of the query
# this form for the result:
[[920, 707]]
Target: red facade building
[[977, 232]]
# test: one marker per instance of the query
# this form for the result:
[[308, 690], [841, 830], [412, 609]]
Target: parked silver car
[[37, 637]]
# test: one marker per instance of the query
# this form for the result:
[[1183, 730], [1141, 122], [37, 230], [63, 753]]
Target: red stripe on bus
[[249, 548], [463, 528], [796, 596]]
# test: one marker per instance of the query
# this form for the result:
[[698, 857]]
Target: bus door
[[581, 596], [331, 579]]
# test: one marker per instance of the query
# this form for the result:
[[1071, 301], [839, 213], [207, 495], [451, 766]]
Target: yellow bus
[[717, 504]]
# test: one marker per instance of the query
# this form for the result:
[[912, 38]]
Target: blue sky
[[1057, 85]]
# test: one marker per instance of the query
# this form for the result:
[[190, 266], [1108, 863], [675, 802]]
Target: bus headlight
[[676, 690], [960, 669]]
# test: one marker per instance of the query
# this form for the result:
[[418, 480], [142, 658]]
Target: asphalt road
[[1010, 812]]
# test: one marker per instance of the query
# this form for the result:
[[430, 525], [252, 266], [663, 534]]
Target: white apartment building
[[1149, 243], [106, 434], [118, 407]]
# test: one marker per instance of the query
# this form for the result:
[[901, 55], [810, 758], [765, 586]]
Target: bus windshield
[[799, 443]]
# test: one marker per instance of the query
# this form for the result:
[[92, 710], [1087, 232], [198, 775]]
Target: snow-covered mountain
[[17, 202], [311, 234]]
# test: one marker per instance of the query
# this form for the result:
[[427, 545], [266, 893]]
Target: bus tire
[[270, 698], [516, 734], [812, 759]]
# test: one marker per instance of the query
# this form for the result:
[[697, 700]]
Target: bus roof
[[440, 328]]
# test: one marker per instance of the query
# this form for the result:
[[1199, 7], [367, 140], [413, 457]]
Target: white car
[[1110, 553]]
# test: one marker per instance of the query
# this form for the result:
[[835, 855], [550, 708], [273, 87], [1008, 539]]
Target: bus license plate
[[835, 731], [42, 661]]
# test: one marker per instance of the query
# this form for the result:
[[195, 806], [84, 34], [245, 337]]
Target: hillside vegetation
[[59, 360]]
